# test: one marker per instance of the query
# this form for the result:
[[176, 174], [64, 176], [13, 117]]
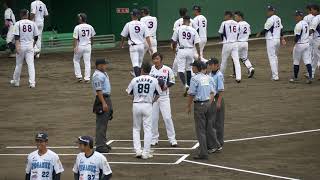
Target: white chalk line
[[240, 170]]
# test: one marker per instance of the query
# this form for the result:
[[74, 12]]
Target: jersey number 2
[[143, 88]]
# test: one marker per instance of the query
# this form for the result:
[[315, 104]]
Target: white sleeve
[[221, 28], [93, 32], [46, 13], [28, 165], [125, 31], [36, 30], [269, 23], [130, 88], [314, 23], [175, 25], [76, 165], [196, 38], [171, 76], [16, 30], [297, 30], [175, 36], [58, 168], [104, 166], [249, 30], [76, 33], [33, 8], [147, 32], [158, 88], [194, 25], [7, 14]]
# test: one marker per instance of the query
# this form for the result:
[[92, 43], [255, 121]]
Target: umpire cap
[[101, 61], [86, 140], [198, 64], [135, 12], [41, 136], [197, 8]]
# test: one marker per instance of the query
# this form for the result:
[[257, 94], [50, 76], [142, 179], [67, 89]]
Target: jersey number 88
[[26, 28]]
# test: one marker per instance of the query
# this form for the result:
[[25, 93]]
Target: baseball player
[[166, 79], [229, 31], [302, 47], [186, 39], [43, 164], [38, 12], [152, 24], [315, 32], [145, 91], [26, 34], [90, 164], [308, 18], [202, 25], [273, 32], [82, 41], [243, 37], [9, 20], [137, 33]]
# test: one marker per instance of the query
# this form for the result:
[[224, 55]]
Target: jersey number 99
[[186, 35], [143, 88]]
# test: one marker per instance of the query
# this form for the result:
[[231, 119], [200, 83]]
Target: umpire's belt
[[197, 102], [106, 95]]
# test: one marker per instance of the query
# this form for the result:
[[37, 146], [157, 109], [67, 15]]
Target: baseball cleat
[[309, 81], [232, 76], [139, 154], [213, 150], [79, 79], [174, 145], [219, 149], [200, 157], [147, 156], [87, 81], [32, 86], [293, 80], [14, 83], [275, 79], [251, 73], [185, 94], [238, 81], [154, 144]]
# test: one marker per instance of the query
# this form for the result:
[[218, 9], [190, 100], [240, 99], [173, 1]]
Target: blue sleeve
[[97, 83], [193, 87]]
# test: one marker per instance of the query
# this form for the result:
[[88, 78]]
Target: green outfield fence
[[109, 16]]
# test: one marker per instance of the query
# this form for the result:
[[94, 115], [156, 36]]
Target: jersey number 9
[[186, 35], [26, 28], [137, 29], [143, 88]]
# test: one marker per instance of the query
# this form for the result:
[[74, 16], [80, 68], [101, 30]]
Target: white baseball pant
[[227, 50], [183, 59], [243, 54], [163, 105], [316, 56], [85, 52], [38, 44], [142, 115], [301, 51], [273, 46], [202, 44], [10, 36], [136, 54], [26, 53], [153, 45]]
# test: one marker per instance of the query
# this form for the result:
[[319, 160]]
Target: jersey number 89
[[143, 88]]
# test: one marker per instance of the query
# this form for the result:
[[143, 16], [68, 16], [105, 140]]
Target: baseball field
[[272, 129]]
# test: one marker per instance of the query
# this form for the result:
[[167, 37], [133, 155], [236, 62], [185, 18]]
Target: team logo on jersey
[[165, 71]]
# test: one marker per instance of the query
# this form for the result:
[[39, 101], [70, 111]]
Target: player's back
[[137, 32], [39, 9], [230, 30], [144, 88], [308, 18], [84, 32], [187, 36], [315, 25], [9, 15], [244, 31], [302, 29], [27, 30], [179, 22], [202, 24], [152, 24], [274, 26]]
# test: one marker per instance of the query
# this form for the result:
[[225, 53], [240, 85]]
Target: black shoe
[[174, 145], [79, 79], [103, 150], [109, 147], [251, 73], [219, 149], [200, 157], [213, 150], [185, 94], [238, 81]]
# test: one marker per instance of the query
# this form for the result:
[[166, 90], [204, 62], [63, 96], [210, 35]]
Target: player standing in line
[[90, 164], [82, 41], [43, 164], [229, 31], [9, 20], [26, 35], [308, 18], [202, 25], [273, 32], [137, 33], [243, 37], [38, 12], [302, 47], [152, 24], [145, 91], [186, 39], [166, 79], [315, 31]]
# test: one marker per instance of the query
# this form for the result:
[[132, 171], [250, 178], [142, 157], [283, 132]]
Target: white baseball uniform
[[301, 49], [243, 37], [91, 167], [229, 30], [26, 30], [137, 32], [11, 20], [152, 24], [273, 26], [179, 22], [143, 89], [39, 9], [163, 104], [315, 25], [186, 37], [202, 25], [83, 34], [43, 167]]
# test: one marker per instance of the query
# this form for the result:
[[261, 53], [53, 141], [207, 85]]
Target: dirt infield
[[255, 107]]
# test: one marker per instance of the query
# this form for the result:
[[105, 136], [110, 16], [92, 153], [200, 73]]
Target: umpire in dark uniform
[[102, 106], [201, 92]]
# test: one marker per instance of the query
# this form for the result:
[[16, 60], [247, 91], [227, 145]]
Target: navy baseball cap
[[197, 8], [186, 17], [135, 12], [145, 10], [299, 13], [42, 136], [87, 140], [101, 61], [213, 61], [271, 8]]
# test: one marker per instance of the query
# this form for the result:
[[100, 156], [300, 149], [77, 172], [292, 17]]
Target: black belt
[[106, 95], [182, 47], [143, 102], [201, 101]]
